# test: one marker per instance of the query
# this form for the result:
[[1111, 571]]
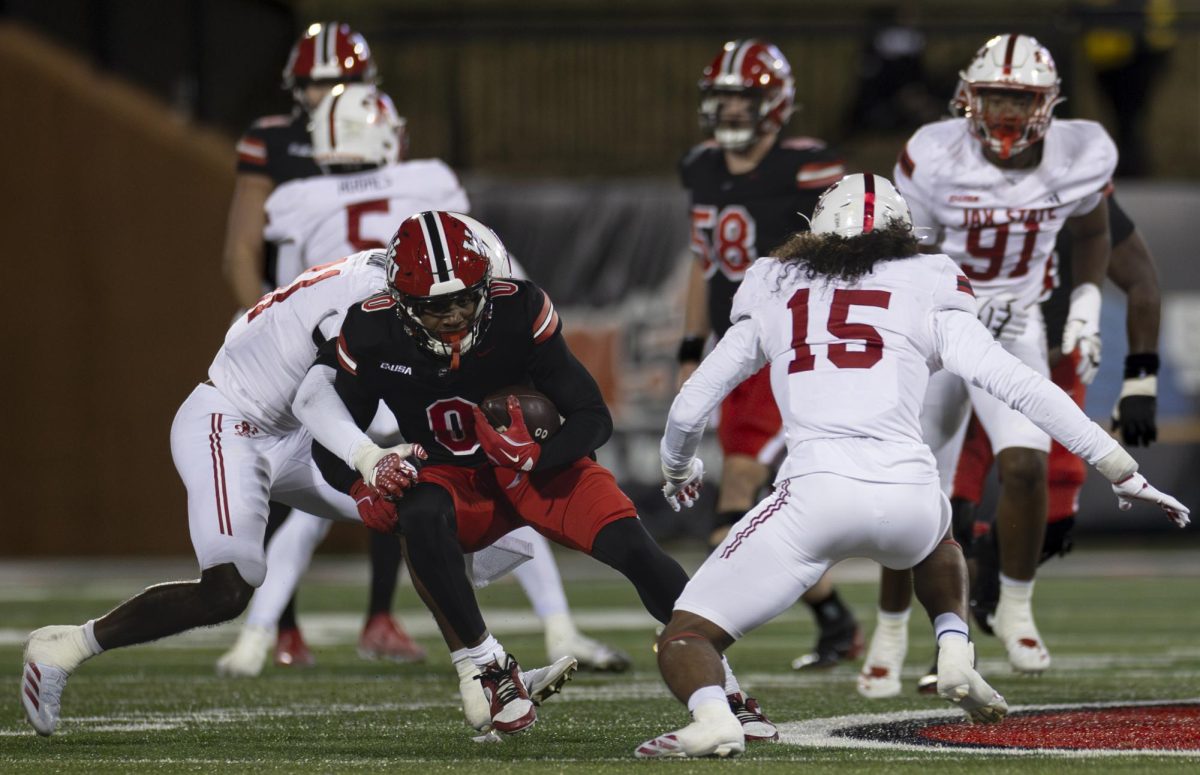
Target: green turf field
[[1133, 634]]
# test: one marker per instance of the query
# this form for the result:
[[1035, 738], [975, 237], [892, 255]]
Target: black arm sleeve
[[587, 423], [339, 475]]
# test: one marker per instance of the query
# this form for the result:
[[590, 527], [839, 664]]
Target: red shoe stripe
[[33, 698], [32, 666]]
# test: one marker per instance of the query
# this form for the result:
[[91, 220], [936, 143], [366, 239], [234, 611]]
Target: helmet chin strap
[[455, 350]]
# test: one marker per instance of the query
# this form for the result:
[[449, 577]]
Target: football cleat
[[592, 655], [716, 735], [1013, 624], [291, 650], [545, 682], [508, 699], [840, 641], [959, 683], [248, 655], [880, 675], [756, 727], [927, 684], [44, 676], [383, 638]]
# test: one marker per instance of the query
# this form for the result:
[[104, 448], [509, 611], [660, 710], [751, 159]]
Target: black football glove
[[1134, 414]]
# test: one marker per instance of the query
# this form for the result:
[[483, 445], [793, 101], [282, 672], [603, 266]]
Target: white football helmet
[[1009, 63], [356, 124], [858, 204]]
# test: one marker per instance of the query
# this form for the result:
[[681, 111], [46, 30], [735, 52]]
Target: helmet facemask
[[1007, 120], [416, 311]]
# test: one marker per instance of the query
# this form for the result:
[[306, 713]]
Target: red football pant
[[750, 419], [568, 505]]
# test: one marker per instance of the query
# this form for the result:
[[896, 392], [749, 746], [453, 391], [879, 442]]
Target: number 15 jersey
[[849, 365], [1000, 225]]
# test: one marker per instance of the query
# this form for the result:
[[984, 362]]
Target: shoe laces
[[503, 680], [746, 709]]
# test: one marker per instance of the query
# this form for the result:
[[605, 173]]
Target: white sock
[[89, 637], [559, 627], [288, 555], [731, 681], [949, 625], [892, 623], [1015, 592], [539, 576], [487, 652], [706, 694]]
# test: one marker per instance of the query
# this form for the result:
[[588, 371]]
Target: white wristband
[[1117, 465]]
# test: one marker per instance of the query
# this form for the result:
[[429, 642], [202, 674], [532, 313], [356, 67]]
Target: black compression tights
[[626, 547]]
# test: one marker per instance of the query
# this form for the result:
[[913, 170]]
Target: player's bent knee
[[1023, 468], [226, 594], [686, 626], [426, 513]]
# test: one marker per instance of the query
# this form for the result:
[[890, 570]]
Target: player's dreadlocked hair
[[847, 258]]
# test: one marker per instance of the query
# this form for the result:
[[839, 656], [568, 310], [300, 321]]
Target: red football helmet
[[438, 260], [329, 52], [754, 69]]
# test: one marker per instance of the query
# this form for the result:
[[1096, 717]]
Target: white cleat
[[880, 675], [695, 740], [959, 683], [591, 653], [44, 676], [1014, 626], [545, 682], [249, 653]]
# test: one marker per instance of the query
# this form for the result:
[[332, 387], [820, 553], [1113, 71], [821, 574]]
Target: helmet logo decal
[[435, 242]]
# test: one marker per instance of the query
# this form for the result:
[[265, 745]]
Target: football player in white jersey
[[992, 189], [852, 320], [356, 206], [237, 445]]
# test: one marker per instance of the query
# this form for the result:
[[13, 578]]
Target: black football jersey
[[278, 146], [738, 218], [522, 344]]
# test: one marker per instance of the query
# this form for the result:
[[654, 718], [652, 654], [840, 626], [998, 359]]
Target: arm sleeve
[[587, 423], [319, 406], [968, 350], [736, 357]]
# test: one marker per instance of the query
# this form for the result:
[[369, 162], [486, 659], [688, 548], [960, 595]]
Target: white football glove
[[683, 491], [375, 463], [1137, 488], [1003, 316], [1082, 331]]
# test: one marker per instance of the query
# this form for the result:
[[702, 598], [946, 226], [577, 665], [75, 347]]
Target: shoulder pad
[[268, 122], [694, 155], [252, 150], [802, 144], [377, 303], [757, 284], [546, 322], [953, 289]]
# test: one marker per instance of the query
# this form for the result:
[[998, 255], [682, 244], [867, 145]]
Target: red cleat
[[291, 650], [383, 638]]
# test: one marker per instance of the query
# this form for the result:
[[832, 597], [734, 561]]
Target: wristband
[[691, 349], [1141, 365]]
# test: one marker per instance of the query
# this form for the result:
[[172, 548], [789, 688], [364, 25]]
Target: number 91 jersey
[[1000, 225], [315, 220], [737, 218]]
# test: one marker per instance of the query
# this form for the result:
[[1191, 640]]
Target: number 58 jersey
[[315, 220], [1000, 225]]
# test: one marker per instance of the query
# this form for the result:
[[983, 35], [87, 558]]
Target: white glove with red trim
[[682, 490]]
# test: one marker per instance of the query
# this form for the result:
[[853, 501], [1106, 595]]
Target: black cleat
[[836, 643]]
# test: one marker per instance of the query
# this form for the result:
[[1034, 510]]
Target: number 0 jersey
[[318, 219], [737, 218], [269, 349], [522, 344], [850, 363], [1001, 225]]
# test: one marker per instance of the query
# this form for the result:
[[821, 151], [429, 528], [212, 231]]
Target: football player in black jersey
[[443, 337], [273, 151], [748, 188]]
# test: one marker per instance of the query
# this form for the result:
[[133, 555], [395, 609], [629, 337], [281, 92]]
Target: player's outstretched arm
[[968, 350]]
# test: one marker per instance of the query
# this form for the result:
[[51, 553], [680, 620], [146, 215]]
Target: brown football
[[541, 416]]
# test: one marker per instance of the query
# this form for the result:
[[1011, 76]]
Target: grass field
[[1121, 626]]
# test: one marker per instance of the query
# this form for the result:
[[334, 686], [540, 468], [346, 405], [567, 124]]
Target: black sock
[[829, 611], [386, 559], [287, 619]]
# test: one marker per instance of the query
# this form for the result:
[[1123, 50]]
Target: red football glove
[[376, 511], [514, 448], [393, 475]]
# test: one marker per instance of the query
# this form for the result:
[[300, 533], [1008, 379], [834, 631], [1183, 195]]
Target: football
[[541, 416]]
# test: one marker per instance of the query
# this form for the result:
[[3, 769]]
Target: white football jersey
[[850, 363], [269, 349], [1000, 225], [315, 220]]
